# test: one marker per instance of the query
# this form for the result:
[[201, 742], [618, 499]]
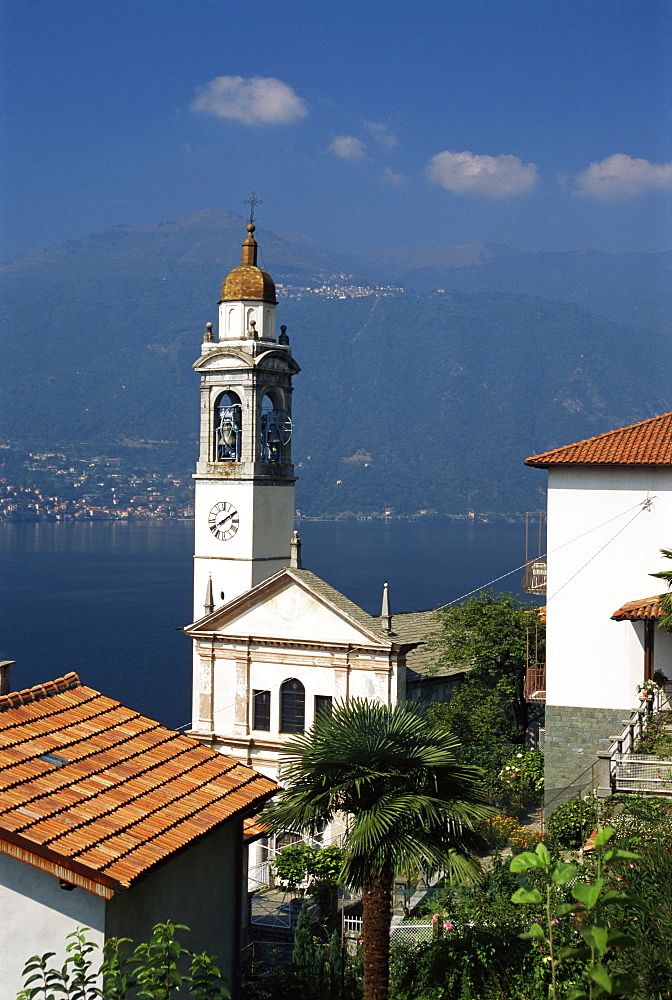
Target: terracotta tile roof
[[647, 607], [253, 828], [645, 443], [95, 788]]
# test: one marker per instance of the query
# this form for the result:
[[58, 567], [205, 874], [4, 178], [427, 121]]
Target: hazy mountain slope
[[412, 401], [633, 287]]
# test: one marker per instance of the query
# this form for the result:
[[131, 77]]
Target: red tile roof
[[645, 443], [93, 788], [647, 607]]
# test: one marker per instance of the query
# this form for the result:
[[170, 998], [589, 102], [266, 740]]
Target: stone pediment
[[293, 606], [224, 357]]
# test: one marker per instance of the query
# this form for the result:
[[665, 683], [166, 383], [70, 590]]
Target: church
[[274, 645]]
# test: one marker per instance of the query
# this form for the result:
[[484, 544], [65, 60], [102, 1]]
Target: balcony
[[534, 580], [535, 683]]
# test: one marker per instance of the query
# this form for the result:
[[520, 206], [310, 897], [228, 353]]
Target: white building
[[609, 515], [111, 822], [273, 644], [273, 658]]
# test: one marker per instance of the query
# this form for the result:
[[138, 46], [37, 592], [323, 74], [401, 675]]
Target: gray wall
[[200, 888], [574, 736], [35, 917]]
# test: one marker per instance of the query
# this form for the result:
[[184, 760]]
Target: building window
[[292, 707], [322, 705], [261, 710]]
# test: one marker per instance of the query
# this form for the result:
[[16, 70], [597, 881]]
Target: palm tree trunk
[[376, 920]]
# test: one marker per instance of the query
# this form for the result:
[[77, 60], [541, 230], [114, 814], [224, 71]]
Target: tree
[[666, 599], [494, 636], [408, 802]]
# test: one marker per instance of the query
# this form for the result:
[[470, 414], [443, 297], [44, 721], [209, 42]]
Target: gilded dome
[[247, 281]]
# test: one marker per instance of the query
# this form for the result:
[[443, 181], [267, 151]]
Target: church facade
[[274, 645]]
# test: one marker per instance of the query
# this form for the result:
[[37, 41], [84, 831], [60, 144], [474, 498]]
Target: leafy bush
[[156, 969], [572, 822], [524, 772], [655, 740], [646, 807], [302, 863]]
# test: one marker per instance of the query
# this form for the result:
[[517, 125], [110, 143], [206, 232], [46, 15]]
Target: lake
[[107, 598]]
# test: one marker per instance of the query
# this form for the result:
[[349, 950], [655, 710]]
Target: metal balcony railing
[[535, 683], [534, 580]]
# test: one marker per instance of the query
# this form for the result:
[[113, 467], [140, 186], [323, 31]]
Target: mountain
[[633, 287], [416, 400]]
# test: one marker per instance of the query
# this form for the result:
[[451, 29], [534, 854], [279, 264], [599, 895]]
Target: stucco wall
[[265, 525], [602, 546], [36, 915], [199, 888]]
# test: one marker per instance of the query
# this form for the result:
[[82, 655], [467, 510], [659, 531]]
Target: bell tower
[[244, 503]]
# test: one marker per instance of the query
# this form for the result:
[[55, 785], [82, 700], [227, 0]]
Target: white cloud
[[256, 100], [381, 134], [623, 176], [390, 177], [347, 147], [492, 176]]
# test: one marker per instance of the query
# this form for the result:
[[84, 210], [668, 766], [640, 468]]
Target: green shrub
[[572, 823]]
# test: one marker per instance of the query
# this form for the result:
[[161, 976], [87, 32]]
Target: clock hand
[[220, 523]]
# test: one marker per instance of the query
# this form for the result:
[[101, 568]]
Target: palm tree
[[408, 803], [666, 599]]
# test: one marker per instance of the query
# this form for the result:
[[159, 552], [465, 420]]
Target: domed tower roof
[[249, 281]]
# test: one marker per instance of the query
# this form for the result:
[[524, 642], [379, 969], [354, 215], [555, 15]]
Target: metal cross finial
[[253, 201]]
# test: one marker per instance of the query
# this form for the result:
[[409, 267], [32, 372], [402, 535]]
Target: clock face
[[223, 520]]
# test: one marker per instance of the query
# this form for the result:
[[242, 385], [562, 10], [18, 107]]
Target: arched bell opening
[[228, 428], [276, 429]]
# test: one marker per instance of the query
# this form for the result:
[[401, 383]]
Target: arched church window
[[276, 429], [228, 432], [292, 706]]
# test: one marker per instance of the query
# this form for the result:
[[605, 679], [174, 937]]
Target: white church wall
[[602, 546], [265, 519], [294, 614]]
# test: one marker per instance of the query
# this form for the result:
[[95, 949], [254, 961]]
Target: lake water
[[107, 599]]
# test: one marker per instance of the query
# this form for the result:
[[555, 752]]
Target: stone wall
[[574, 736]]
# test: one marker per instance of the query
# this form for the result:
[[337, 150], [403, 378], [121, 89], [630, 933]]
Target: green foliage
[[408, 801], [524, 773], [656, 740], [395, 774], [74, 980], [666, 601], [269, 978], [292, 865], [572, 822], [480, 954], [490, 634], [155, 970], [602, 938], [299, 863]]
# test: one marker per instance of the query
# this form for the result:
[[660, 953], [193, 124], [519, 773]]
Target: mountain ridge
[[447, 392]]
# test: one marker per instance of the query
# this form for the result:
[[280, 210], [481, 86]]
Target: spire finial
[[209, 599], [253, 201], [385, 613], [295, 552]]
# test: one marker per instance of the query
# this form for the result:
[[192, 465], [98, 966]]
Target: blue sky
[[364, 124]]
